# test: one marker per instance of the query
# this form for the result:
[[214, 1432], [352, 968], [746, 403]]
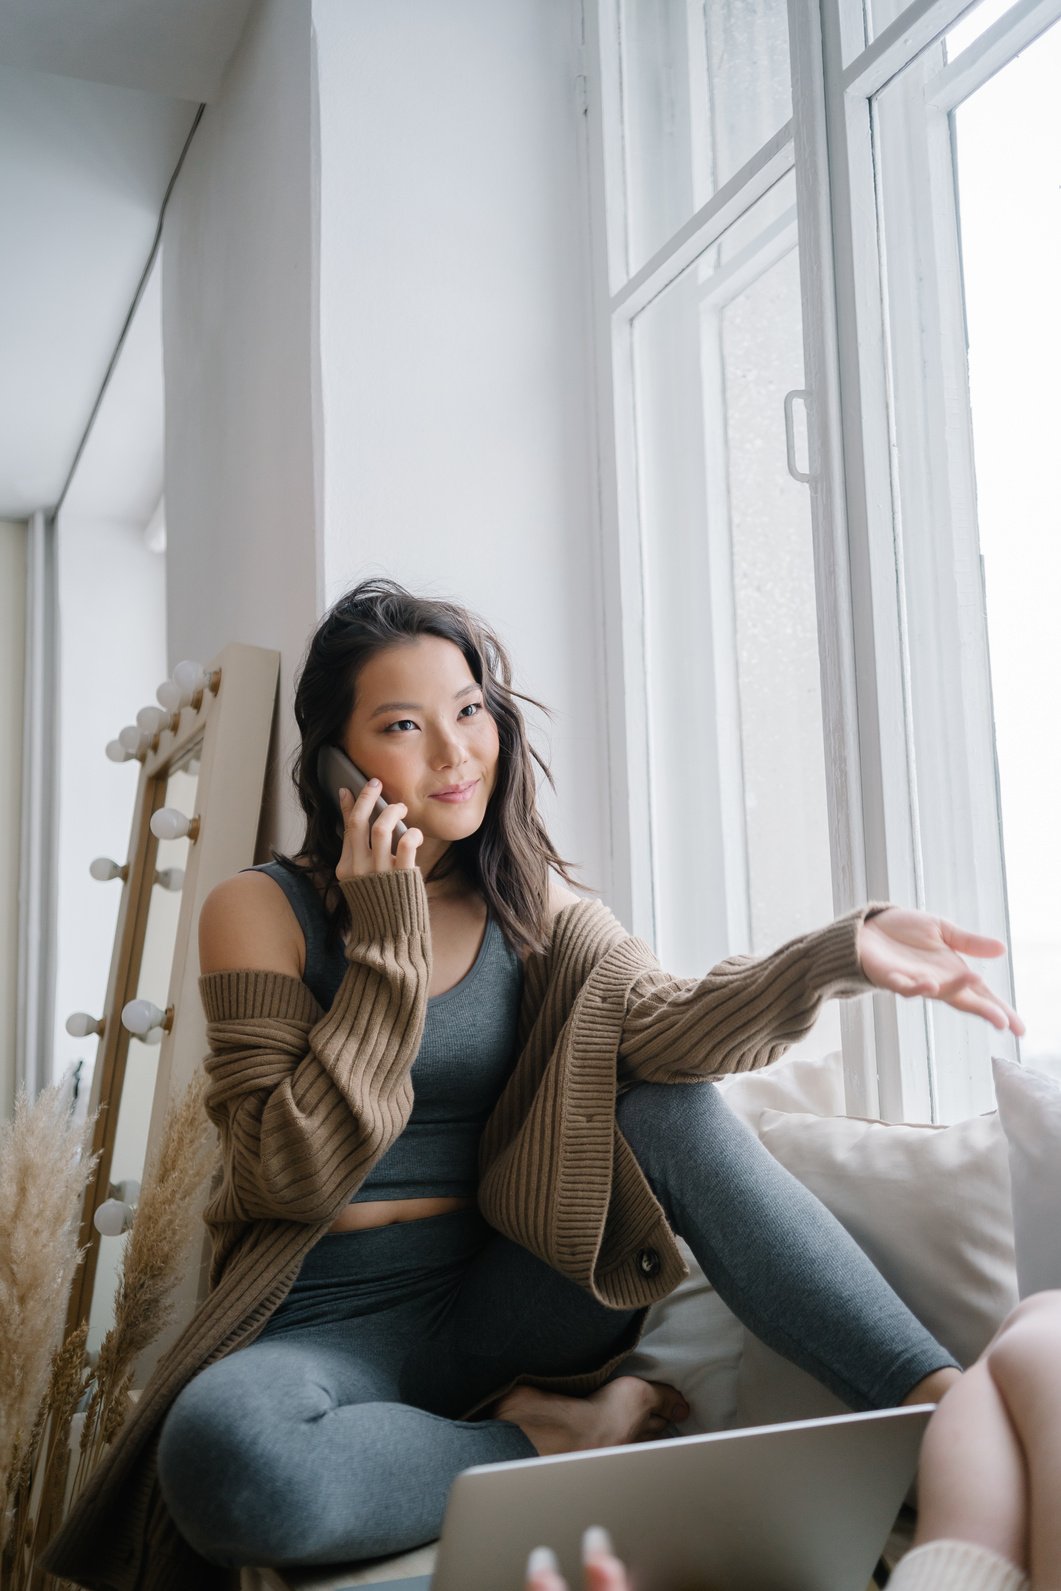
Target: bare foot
[[932, 1388], [627, 1409]]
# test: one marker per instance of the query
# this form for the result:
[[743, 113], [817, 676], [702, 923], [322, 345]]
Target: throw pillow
[[1029, 1108]]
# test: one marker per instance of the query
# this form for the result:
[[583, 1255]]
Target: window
[[807, 633]]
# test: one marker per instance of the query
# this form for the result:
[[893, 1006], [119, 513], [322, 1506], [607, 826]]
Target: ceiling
[[97, 99]]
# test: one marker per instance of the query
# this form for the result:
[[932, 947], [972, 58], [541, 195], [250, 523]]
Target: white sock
[[955, 1566]]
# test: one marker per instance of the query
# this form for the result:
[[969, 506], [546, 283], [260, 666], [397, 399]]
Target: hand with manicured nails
[[367, 848], [912, 953], [602, 1570]]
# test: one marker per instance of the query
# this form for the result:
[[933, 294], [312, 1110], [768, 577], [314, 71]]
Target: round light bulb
[[133, 739], [151, 719], [190, 676], [170, 878], [140, 1016], [103, 869], [82, 1026], [171, 696], [112, 1218], [169, 824], [117, 752]]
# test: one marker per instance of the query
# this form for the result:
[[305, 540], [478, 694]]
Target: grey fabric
[[465, 1057], [335, 1436]]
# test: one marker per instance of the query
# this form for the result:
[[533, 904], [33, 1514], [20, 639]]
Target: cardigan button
[[648, 1262]]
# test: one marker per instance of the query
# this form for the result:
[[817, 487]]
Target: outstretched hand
[[913, 953]]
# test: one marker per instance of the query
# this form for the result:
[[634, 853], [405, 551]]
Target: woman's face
[[421, 726]]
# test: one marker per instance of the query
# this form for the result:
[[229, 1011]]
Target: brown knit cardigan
[[306, 1101]]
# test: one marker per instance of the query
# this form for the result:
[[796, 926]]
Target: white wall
[[238, 305], [458, 443], [12, 645]]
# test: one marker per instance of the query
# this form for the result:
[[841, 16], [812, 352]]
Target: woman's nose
[[448, 753]]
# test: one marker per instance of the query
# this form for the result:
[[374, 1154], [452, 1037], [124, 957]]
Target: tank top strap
[[325, 961]]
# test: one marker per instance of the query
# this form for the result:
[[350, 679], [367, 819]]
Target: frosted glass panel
[[704, 86], [1008, 148], [740, 822]]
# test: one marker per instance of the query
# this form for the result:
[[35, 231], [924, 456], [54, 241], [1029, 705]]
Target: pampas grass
[[43, 1171], [166, 1219], [44, 1166]]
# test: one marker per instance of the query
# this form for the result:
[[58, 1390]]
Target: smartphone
[[336, 772]]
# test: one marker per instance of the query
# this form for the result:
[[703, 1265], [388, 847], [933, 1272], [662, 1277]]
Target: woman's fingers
[[382, 832], [543, 1572], [602, 1569], [368, 843], [970, 944], [982, 1002]]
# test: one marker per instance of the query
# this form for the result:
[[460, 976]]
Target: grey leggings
[[334, 1436]]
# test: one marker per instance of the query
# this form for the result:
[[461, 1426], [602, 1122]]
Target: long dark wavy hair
[[509, 856]]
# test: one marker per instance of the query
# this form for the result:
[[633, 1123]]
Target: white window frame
[[855, 366], [875, 827]]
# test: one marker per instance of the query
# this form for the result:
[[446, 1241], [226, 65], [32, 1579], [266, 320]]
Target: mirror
[[168, 859], [207, 766]]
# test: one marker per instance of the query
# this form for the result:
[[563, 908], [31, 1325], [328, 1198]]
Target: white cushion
[[1029, 1107], [813, 1083], [931, 1208]]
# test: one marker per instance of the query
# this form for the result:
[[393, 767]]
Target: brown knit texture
[[307, 1101]]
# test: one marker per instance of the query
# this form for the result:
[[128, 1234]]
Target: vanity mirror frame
[[229, 725]]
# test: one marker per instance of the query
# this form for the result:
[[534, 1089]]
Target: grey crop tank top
[[465, 1057]]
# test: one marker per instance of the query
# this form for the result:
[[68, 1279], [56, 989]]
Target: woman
[[988, 1485], [454, 1158]]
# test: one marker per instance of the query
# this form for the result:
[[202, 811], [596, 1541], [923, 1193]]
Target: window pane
[[704, 86], [971, 263], [740, 822], [1008, 145]]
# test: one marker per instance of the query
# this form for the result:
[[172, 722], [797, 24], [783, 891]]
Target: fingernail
[[543, 1561], [375, 784], [596, 1543]]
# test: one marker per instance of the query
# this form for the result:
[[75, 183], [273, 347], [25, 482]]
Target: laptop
[[805, 1506]]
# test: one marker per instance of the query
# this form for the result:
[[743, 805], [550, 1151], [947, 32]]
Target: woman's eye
[[473, 707]]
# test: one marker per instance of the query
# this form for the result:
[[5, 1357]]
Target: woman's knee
[[1025, 1349], [222, 1468], [671, 1108]]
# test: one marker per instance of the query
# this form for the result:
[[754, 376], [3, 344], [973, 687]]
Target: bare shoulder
[[560, 896], [246, 924]]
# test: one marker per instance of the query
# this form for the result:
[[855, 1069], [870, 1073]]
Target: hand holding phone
[[358, 822]]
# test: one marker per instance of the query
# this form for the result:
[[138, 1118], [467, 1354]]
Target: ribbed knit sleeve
[[306, 1103], [745, 1012]]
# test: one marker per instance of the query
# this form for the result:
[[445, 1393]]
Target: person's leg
[[774, 1253], [297, 1450], [514, 1316], [990, 1471]]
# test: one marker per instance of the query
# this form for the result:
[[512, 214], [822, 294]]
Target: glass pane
[[704, 86], [740, 818], [1008, 141]]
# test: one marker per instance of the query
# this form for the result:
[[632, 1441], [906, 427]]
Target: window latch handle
[[790, 433]]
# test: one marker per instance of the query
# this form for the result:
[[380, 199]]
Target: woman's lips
[[460, 794]]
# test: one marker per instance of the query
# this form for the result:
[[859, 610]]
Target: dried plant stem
[[167, 1216], [44, 1166]]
